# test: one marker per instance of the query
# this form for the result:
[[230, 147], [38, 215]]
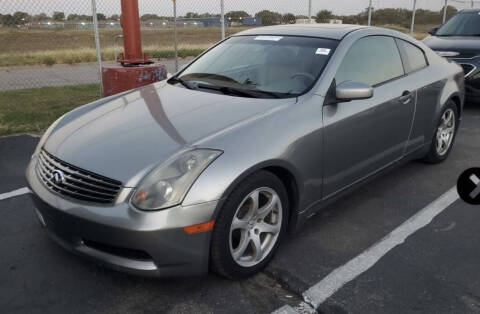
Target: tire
[[241, 239], [436, 155]]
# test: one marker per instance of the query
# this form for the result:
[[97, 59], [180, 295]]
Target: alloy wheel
[[255, 227], [445, 132]]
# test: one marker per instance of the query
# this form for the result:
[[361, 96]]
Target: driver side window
[[372, 60]]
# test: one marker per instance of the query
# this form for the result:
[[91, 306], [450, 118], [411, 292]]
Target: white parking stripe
[[18, 192], [321, 291]]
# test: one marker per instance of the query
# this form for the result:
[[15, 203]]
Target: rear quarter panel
[[438, 83]]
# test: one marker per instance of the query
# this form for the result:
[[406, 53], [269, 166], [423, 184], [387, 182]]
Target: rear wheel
[[445, 134], [250, 226]]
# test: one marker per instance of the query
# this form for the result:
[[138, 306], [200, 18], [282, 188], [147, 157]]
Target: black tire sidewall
[[222, 260]]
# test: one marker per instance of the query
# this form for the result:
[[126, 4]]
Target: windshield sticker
[[323, 51], [269, 38]]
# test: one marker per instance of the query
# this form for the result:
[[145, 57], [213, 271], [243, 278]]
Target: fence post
[[97, 43], [222, 17], [413, 17], [370, 13], [175, 41], [445, 12], [309, 11], [473, 5]]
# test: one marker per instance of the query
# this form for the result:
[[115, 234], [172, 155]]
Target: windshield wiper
[[239, 92], [177, 79], [228, 90]]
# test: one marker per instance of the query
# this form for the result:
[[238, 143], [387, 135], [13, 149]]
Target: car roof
[[469, 11], [331, 31]]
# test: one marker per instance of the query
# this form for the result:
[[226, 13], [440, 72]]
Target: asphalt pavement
[[434, 271]]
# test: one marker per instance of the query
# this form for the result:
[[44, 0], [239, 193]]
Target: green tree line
[[379, 17]]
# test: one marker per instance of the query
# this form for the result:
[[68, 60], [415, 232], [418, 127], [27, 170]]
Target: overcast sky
[[164, 7]]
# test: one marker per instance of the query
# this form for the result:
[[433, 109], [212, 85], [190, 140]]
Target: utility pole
[[175, 40], [309, 11], [413, 17], [370, 13], [445, 12], [222, 14], [97, 43]]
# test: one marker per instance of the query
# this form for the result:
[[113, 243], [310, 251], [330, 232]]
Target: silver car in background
[[210, 169]]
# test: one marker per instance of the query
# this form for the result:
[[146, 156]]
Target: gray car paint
[[148, 126], [324, 149]]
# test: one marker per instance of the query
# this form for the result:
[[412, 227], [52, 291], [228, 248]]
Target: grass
[[33, 110], [81, 55], [22, 47]]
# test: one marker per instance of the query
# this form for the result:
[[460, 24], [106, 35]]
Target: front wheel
[[445, 134], [250, 226]]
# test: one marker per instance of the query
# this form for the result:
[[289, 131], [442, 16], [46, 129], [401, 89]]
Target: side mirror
[[350, 90], [433, 31]]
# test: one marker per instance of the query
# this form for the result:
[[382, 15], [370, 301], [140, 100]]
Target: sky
[[164, 7]]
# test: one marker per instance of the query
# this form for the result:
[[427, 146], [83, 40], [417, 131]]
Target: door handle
[[406, 97]]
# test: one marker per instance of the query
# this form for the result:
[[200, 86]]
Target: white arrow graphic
[[475, 181]]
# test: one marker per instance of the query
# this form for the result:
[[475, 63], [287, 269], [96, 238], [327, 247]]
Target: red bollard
[[133, 68], [132, 37]]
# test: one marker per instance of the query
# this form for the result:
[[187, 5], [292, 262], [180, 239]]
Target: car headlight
[[167, 185], [46, 136], [447, 53]]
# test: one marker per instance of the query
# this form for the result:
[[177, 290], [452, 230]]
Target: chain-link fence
[[52, 43]]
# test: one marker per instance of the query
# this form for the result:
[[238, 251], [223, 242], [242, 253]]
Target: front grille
[[74, 182], [468, 68]]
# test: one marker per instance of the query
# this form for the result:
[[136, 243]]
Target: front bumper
[[124, 238], [472, 76]]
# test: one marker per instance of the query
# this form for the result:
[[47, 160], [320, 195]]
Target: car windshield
[[259, 66], [462, 24]]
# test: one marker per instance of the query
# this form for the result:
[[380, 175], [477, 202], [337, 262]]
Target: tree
[[148, 17], [101, 17], [72, 17], [269, 17], [451, 11], [40, 17], [191, 15], [7, 20], [206, 15], [114, 17], [58, 16], [236, 15], [323, 16], [289, 18], [20, 18]]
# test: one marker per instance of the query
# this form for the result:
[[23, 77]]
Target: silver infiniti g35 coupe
[[211, 168]]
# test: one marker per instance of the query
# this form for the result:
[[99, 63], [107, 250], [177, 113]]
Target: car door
[[416, 64], [364, 136]]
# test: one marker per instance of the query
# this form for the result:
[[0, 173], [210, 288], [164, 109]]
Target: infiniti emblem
[[58, 176]]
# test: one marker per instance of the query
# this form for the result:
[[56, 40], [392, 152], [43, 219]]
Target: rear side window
[[413, 57], [372, 60]]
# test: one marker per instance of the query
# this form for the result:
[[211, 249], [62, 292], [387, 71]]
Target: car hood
[[127, 136], [468, 47]]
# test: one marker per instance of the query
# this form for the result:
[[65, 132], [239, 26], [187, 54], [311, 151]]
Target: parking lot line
[[15, 193], [318, 293]]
